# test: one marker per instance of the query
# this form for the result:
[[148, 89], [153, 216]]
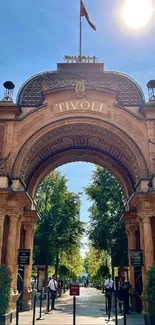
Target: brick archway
[[78, 113], [85, 140]]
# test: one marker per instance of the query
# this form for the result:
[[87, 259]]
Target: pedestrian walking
[[108, 290], [53, 286], [124, 294]]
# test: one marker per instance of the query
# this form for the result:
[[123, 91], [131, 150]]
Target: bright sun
[[137, 13]]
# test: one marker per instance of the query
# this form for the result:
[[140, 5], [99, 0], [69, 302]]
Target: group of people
[[121, 289], [86, 283]]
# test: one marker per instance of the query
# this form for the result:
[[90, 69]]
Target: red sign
[[74, 290]]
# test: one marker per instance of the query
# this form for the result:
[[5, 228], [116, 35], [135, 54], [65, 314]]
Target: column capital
[[131, 229], [29, 226], [3, 213], [14, 212], [144, 216]]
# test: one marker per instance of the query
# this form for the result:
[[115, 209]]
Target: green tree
[[72, 259], [96, 263], [107, 231], [5, 289], [59, 226]]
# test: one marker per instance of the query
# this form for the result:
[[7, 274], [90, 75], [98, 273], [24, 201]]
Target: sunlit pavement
[[90, 310]]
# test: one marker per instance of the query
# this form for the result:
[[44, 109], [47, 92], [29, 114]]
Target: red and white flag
[[84, 13]]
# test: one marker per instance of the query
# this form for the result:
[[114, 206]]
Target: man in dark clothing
[[124, 294]]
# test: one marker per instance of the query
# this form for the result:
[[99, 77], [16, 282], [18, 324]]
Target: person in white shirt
[[53, 286], [108, 284]]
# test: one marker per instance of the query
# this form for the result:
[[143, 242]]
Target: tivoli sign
[[81, 105]]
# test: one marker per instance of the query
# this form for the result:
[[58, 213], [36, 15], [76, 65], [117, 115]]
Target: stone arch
[[96, 141]]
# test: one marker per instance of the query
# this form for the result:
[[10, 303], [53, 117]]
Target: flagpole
[[80, 41]]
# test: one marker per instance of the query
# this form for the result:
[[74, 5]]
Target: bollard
[[34, 309], [40, 308], [124, 312], [116, 295], [17, 312], [74, 310], [51, 302], [116, 320], [109, 307], [48, 301], [106, 307]]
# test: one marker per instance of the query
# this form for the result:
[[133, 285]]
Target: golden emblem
[[80, 89]]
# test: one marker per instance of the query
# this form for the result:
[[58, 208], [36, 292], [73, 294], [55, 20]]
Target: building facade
[[80, 112]]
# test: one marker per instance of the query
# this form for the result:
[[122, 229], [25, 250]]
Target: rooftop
[[89, 71]]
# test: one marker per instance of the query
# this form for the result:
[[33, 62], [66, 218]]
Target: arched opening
[[80, 140], [80, 178]]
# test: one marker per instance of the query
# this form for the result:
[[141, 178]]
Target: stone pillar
[[27, 291], [11, 247], [141, 243], [11, 258], [17, 243], [146, 243], [148, 240], [131, 233], [144, 203], [2, 218]]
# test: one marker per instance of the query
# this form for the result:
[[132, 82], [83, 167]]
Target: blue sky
[[36, 34], [79, 176]]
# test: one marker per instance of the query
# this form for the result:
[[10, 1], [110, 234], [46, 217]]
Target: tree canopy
[[107, 230], [96, 263], [59, 227]]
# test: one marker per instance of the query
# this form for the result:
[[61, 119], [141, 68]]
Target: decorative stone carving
[[9, 136], [125, 155], [24, 130], [131, 229], [80, 89], [29, 227], [3, 164], [145, 216], [137, 133], [128, 92], [2, 128]]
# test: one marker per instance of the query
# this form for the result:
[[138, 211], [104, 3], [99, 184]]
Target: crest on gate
[[80, 89]]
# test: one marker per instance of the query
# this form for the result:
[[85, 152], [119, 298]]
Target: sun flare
[[137, 13]]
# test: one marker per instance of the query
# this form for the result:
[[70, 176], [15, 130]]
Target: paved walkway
[[90, 310]]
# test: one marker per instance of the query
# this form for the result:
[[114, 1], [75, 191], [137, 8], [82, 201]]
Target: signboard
[[23, 256], [74, 290], [136, 257]]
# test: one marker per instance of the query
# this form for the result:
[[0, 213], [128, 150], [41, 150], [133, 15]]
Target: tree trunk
[[46, 268], [112, 266], [57, 263]]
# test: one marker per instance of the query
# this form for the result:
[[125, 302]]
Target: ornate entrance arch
[[84, 140], [78, 113]]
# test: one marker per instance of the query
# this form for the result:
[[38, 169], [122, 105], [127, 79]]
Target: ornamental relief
[[2, 129], [3, 158], [28, 127], [131, 154], [130, 127], [9, 137], [112, 146]]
